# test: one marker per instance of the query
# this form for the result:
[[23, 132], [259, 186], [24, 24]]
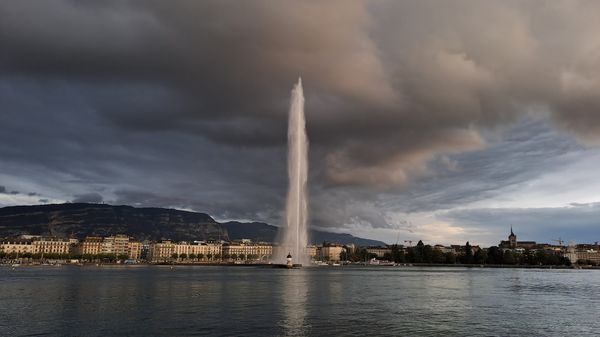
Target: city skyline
[[421, 126]]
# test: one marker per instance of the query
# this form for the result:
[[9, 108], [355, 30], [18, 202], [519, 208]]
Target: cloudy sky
[[444, 121]]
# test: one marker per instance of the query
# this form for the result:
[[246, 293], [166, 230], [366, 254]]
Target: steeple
[[512, 238]]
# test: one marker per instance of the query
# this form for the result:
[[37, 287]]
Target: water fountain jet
[[293, 237]]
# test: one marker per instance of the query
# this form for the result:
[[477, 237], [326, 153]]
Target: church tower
[[512, 239]]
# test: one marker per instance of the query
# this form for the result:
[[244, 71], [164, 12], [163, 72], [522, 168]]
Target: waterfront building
[[206, 250], [116, 244], [311, 251], [52, 246], [145, 250], [244, 250], [39, 245], [161, 251], [331, 252], [134, 250], [592, 256], [113, 245], [18, 246], [91, 245], [379, 251]]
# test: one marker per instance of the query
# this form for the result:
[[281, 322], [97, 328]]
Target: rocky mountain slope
[[81, 219]]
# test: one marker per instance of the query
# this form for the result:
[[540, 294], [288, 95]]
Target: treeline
[[422, 253]]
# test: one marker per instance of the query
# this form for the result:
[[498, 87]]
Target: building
[[164, 251], [331, 252], [201, 250], [91, 245], [512, 242], [112, 245], [38, 245], [592, 256], [161, 251], [135, 250], [247, 250], [311, 251], [121, 245], [444, 249], [53, 246], [18, 246], [379, 251], [117, 245]]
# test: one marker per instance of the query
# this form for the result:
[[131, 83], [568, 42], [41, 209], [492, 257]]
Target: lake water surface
[[323, 301]]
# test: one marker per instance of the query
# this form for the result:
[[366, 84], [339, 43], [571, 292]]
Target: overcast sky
[[445, 121]]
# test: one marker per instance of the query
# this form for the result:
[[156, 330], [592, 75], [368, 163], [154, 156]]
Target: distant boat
[[375, 262]]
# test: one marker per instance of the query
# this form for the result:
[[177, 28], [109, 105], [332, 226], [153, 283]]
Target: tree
[[427, 254], [217, 257], [122, 256], [345, 255], [174, 256], [234, 256], [200, 256], [362, 254], [468, 257], [416, 253], [209, 256], [183, 256], [508, 258], [495, 255], [437, 256], [397, 254], [192, 256], [450, 258], [479, 257]]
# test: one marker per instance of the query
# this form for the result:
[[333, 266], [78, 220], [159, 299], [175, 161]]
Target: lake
[[320, 301]]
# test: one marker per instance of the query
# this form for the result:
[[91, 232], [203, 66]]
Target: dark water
[[342, 301]]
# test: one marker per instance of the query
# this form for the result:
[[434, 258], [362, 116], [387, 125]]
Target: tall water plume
[[293, 237]]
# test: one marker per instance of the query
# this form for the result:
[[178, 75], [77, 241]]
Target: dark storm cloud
[[94, 198], [524, 153], [3, 190], [184, 103]]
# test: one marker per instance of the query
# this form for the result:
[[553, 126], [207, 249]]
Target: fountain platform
[[287, 266]]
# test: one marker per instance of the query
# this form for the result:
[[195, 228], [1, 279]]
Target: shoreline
[[271, 265]]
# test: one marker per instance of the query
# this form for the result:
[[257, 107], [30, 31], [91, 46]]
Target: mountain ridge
[[266, 232], [143, 223]]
